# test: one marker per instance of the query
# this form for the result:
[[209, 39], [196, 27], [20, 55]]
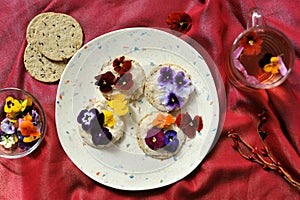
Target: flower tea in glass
[[261, 57]]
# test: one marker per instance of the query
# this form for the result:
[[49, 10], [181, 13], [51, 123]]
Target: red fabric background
[[49, 174]]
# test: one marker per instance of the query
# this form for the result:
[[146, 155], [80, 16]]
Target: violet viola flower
[[24, 146], [180, 80], [101, 136], [171, 141], [2, 133], [172, 101], [166, 76], [155, 138], [7, 126], [35, 117], [182, 87], [86, 118]]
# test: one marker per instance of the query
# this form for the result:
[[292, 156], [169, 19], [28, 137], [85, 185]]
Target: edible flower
[[31, 138], [121, 65], [125, 82], [273, 66], [188, 125], [109, 119], [171, 141], [8, 141], [155, 138], [22, 124], [179, 21], [180, 80], [176, 87], [166, 76], [95, 123], [26, 103], [118, 104], [172, 101], [28, 129], [86, 118], [162, 121], [12, 105], [105, 81], [251, 43], [100, 135], [7, 126]]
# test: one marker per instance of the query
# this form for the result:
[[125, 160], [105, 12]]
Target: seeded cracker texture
[[41, 68], [58, 36], [32, 26]]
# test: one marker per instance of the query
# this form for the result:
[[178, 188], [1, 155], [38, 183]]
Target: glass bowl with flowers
[[23, 123]]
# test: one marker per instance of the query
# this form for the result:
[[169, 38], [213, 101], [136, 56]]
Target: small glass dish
[[23, 123]]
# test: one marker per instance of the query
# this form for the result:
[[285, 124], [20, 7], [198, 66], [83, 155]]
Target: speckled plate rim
[[80, 156]]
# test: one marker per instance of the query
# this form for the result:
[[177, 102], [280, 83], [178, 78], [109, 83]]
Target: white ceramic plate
[[125, 166]]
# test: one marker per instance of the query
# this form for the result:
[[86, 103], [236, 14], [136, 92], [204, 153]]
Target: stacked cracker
[[52, 38]]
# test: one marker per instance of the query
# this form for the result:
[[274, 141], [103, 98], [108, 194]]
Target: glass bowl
[[23, 123]]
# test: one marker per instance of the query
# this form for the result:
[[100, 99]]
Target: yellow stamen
[[153, 139], [251, 42]]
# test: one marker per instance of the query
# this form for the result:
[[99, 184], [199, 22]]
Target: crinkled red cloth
[[49, 174]]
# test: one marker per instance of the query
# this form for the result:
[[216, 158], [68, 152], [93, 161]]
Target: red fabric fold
[[48, 173]]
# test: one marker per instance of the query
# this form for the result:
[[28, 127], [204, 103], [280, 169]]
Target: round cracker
[[144, 125], [31, 28], [117, 130], [138, 77], [41, 68], [58, 36], [152, 91]]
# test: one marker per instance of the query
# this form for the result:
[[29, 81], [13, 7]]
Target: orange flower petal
[[28, 117], [169, 120], [162, 121], [27, 128], [159, 121]]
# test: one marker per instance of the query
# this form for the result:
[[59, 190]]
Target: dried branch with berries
[[261, 156]]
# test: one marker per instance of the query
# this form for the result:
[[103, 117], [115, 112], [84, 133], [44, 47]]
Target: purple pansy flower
[[155, 138], [35, 118], [101, 135], [2, 133], [24, 145], [86, 118], [181, 80], [172, 101], [166, 76], [7, 126], [171, 141]]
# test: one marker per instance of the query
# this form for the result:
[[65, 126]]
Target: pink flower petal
[[237, 52], [282, 67]]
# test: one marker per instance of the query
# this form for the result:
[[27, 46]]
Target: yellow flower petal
[[118, 104], [23, 105], [273, 68], [109, 119], [274, 60], [12, 105], [122, 111], [268, 68], [7, 106], [31, 138]]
